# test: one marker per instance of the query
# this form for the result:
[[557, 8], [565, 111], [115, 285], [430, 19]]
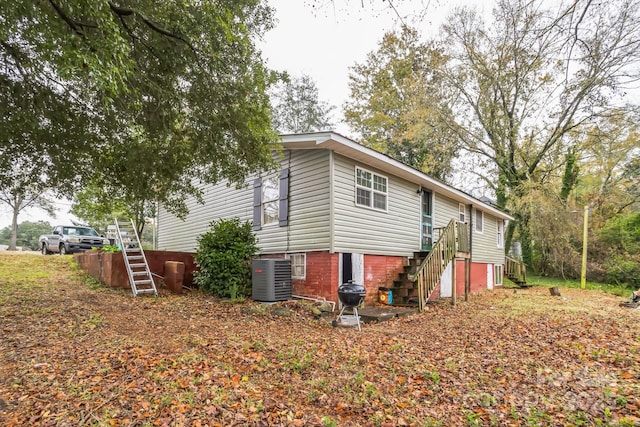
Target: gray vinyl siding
[[485, 244], [308, 210], [220, 202], [359, 229], [308, 206], [444, 210]]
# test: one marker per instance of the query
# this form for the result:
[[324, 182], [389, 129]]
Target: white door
[[445, 281], [490, 276], [357, 261], [351, 269]]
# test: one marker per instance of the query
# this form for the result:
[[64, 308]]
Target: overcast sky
[[324, 38], [320, 38]]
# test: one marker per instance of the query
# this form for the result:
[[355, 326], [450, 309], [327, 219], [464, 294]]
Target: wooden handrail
[[453, 239], [515, 270]]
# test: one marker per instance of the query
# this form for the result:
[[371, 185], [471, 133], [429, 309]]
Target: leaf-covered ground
[[74, 353]]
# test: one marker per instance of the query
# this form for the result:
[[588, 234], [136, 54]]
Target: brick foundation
[[322, 275], [380, 271], [321, 279]]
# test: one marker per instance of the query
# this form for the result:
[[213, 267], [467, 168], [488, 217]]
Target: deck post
[[453, 264], [467, 278], [453, 282]]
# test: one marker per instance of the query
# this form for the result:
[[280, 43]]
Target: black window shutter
[[283, 212], [257, 204]]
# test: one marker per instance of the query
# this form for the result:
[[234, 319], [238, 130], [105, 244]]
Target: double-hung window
[[371, 190], [462, 213], [298, 265], [500, 236], [270, 200]]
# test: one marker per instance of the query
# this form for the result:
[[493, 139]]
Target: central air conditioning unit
[[271, 280]]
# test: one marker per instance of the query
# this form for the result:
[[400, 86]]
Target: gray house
[[341, 211]]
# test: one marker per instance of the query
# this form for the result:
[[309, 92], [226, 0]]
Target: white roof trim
[[351, 149]]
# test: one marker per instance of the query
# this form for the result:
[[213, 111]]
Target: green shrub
[[622, 233], [224, 258], [624, 270]]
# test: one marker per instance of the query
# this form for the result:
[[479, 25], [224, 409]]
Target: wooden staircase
[[419, 279], [405, 289], [516, 271]]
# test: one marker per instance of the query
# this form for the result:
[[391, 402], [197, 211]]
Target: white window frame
[[498, 274], [479, 225], [462, 213], [274, 200], [500, 233], [298, 260], [372, 190]]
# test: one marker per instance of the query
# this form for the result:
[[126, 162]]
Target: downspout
[[289, 203], [467, 270], [155, 226], [332, 218], [471, 231]]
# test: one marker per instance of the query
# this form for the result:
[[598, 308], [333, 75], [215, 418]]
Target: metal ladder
[[135, 262]]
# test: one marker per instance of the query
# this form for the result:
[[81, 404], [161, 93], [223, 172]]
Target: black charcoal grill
[[351, 296]]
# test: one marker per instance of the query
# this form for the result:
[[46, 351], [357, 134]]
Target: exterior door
[[490, 279], [351, 267], [445, 281], [426, 221]]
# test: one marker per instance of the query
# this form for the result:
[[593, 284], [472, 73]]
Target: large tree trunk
[[13, 239], [525, 240]]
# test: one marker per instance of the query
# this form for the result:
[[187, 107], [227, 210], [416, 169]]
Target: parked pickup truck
[[67, 239]]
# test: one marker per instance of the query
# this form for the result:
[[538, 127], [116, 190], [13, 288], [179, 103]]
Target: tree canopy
[[538, 100], [149, 96], [528, 83], [297, 107], [395, 104], [28, 234], [21, 189]]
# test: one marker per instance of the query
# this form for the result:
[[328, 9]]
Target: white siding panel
[[309, 201], [362, 230], [444, 210], [308, 209], [485, 247], [485, 244], [220, 202]]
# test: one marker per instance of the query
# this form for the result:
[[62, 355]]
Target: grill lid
[[351, 294], [351, 288]]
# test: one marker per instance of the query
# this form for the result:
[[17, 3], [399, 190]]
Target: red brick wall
[[380, 271], [156, 260], [114, 273], [321, 279], [109, 267], [478, 276]]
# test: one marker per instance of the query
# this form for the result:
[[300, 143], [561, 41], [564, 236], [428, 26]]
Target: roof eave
[[351, 149]]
